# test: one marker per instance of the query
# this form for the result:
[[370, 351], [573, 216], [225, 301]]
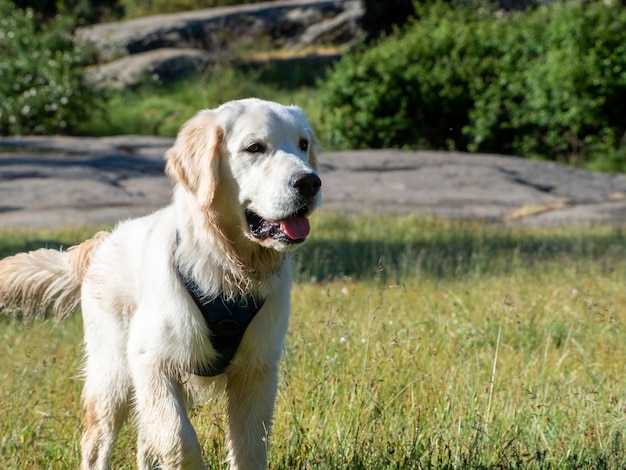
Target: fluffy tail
[[32, 282]]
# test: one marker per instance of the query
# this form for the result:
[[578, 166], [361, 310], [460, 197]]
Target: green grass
[[414, 343], [155, 109]]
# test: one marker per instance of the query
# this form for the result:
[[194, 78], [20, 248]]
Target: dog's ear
[[314, 148], [193, 161]]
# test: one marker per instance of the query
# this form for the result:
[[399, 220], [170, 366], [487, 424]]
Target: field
[[414, 343]]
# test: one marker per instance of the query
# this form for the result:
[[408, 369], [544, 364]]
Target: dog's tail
[[32, 282]]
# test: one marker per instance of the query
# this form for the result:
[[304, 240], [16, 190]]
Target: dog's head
[[254, 163]]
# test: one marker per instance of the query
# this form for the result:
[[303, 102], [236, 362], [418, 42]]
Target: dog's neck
[[228, 260], [226, 318]]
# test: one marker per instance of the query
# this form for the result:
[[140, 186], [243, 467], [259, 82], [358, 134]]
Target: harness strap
[[227, 320]]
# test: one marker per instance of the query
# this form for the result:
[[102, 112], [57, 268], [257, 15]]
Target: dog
[[194, 294]]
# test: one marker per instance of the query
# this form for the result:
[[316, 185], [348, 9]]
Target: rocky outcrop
[[83, 181], [163, 64], [165, 45]]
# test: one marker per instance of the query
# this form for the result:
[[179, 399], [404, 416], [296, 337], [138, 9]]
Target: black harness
[[227, 320]]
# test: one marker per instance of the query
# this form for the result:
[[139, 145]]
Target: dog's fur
[[143, 334]]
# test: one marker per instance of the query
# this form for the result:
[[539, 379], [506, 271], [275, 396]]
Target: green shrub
[[547, 83], [410, 89], [559, 87], [41, 90]]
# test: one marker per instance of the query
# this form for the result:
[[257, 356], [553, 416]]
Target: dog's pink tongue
[[296, 228]]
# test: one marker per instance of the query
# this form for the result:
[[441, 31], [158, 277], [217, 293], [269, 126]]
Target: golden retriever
[[195, 293]]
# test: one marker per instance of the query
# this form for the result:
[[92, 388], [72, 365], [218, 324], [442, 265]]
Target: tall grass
[[394, 249], [414, 343]]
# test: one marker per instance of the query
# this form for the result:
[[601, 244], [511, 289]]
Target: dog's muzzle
[[295, 227]]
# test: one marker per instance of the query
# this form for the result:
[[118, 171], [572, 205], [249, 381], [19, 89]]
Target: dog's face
[[254, 162]]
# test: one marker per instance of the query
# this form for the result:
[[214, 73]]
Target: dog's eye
[[304, 145], [255, 147]]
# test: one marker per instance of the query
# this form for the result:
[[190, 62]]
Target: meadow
[[414, 343]]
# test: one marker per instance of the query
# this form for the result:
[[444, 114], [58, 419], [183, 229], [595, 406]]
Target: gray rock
[[52, 181], [338, 29], [495, 188], [166, 47], [164, 65], [48, 181], [210, 29]]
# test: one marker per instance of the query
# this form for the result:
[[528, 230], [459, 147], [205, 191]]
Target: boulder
[[166, 47], [161, 64], [340, 29], [55, 180], [214, 29]]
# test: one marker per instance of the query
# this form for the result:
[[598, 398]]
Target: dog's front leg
[[251, 394], [166, 436]]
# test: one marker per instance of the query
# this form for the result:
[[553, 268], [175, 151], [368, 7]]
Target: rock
[[48, 181], [339, 29], [211, 29], [495, 188], [163, 64], [165, 47], [55, 181]]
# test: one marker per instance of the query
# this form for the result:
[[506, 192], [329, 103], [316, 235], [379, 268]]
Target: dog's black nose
[[307, 184]]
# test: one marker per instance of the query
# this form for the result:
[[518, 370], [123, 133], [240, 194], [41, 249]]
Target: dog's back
[[32, 282]]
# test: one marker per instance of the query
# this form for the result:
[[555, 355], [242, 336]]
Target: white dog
[[198, 289]]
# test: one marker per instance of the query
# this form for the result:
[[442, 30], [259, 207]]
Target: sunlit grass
[[505, 371], [414, 343]]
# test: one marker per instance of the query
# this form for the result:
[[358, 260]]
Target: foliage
[[559, 87], [417, 344], [135, 8], [97, 11], [381, 17], [87, 11], [547, 83], [411, 88], [41, 89]]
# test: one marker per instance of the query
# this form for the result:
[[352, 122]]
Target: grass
[[156, 109], [414, 343]]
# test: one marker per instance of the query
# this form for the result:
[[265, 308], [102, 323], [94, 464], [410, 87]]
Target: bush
[[411, 88], [547, 83], [559, 87], [41, 90]]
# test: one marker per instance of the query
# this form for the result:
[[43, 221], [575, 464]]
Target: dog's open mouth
[[292, 229]]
